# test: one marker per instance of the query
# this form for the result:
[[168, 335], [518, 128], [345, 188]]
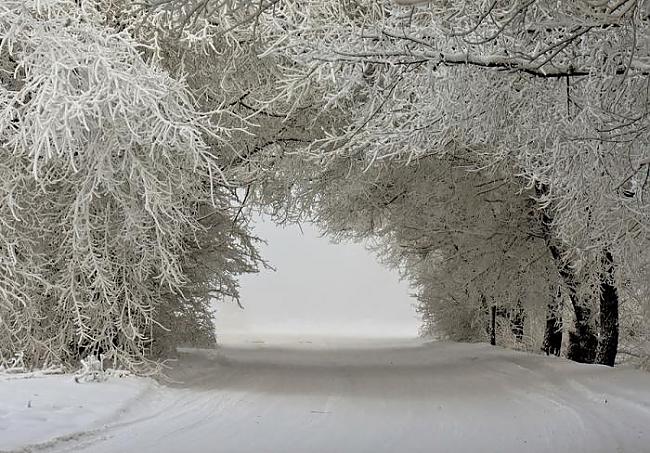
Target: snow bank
[[37, 409]]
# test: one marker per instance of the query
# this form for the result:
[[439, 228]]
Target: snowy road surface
[[407, 396]]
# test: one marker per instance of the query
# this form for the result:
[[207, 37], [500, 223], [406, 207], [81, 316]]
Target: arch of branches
[[497, 152]]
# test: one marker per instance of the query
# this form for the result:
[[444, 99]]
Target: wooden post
[[493, 325]]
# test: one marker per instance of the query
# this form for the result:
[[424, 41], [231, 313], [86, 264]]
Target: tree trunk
[[582, 339], [608, 341], [553, 333]]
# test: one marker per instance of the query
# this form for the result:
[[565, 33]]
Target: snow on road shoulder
[[36, 409]]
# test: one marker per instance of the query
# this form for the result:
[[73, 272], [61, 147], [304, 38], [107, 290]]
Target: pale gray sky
[[318, 288]]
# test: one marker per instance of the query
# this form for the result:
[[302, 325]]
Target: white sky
[[318, 288]]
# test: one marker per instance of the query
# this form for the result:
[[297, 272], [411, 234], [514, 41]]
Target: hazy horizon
[[320, 289]]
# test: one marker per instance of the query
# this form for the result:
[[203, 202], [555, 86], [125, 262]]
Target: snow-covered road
[[406, 396]]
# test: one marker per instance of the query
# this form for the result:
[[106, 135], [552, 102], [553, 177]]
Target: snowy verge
[[37, 408]]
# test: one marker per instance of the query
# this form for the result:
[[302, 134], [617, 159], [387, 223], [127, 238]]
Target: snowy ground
[[329, 396]]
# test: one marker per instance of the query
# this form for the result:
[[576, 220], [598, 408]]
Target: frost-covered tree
[[466, 240], [117, 222]]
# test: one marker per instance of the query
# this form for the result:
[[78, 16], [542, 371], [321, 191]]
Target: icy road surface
[[404, 396]]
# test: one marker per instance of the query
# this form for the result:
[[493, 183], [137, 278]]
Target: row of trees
[[496, 152], [530, 121]]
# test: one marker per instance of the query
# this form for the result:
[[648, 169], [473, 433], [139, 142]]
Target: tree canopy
[[496, 152]]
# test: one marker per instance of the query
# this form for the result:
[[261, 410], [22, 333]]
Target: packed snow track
[[404, 396]]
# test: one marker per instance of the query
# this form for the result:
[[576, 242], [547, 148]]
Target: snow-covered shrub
[[13, 364], [635, 329], [92, 370], [109, 179]]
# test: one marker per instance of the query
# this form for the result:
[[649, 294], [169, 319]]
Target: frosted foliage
[[466, 240], [107, 179], [559, 88], [554, 92], [542, 104], [495, 151], [547, 98]]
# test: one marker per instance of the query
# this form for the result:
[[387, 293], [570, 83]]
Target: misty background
[[319, 288]]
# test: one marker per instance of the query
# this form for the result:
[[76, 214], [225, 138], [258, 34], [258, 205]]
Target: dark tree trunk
[[608, 341], [553, 333], [582, 339], [493, 325]]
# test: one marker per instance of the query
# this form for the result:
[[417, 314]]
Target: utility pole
[[493, 325]]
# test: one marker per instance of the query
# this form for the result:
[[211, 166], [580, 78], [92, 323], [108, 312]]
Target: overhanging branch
[[484, 61]]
